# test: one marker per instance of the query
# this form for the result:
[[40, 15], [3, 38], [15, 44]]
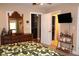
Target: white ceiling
[[45, 6], [29, 5]]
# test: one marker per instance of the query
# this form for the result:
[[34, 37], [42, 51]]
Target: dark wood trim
[[10, 39], [15, 16]]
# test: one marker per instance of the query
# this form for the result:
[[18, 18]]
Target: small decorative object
[[64, 39], [63, 48], [68, 39], [4, 32], [10, 32], [27, 21], [60, 39], [66, 48]]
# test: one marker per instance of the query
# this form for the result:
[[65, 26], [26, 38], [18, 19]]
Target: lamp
[[41, 3]]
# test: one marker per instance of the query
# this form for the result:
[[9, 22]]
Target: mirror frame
[[15, 16]]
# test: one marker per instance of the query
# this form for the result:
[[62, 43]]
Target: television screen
[[65, 18]]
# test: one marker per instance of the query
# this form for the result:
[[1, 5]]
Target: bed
[[26, 49]]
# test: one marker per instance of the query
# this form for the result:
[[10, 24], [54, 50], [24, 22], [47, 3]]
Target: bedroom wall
[[77, 41], [20, 9], [72, 28]]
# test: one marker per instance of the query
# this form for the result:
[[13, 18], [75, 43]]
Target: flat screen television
[[65, 18]]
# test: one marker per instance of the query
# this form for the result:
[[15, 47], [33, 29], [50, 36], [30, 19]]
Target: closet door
[[34, 22], [53, 27]]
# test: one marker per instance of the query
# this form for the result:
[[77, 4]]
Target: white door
[[46, 29]]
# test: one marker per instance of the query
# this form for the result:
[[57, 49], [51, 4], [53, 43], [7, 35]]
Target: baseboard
[[75, 52], [46, 45]]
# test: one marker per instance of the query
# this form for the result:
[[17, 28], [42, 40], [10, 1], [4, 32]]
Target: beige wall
[[20, 9], [65, 27]]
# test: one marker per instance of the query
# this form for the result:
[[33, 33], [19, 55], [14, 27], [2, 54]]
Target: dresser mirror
[[15, 22]]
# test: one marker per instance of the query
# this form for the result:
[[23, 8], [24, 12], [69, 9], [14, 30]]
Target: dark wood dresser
[[9, 39]]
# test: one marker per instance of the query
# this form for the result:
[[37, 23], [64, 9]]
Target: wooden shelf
[[66, 51], [65, 42]]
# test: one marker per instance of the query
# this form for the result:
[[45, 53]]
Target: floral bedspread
[[26, 49]]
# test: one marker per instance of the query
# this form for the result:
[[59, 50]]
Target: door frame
[[53, 14], [30, 21]]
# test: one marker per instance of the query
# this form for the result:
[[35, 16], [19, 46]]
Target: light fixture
[[41, 3]]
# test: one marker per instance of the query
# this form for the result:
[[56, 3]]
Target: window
[[13, 26]]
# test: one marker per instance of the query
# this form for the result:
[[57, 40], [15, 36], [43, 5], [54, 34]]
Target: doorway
[[36, 26], [53, 27]]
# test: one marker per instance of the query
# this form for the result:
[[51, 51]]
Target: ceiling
[[29, 4], [42, 7], [45, 6]]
